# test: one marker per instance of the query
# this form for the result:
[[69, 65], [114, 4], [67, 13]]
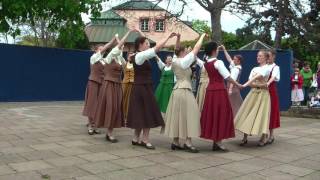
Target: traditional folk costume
[[127, 82], [275, 108], [93, 87], [235, 97], [254, 113], [203, 83], [216, 116], [109, 110], [143, 110], [296, 86], [182, 117], [164, 89]]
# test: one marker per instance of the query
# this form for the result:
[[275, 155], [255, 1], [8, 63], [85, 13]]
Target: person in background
[[306, 73], [296, 85], [315, 101]]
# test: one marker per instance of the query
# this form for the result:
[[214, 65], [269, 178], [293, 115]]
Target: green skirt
[[163, 93]]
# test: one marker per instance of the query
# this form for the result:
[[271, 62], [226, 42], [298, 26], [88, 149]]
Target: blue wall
[[50, 74]]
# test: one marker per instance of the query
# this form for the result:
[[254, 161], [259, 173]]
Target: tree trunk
[[283, 7], [216, 25]]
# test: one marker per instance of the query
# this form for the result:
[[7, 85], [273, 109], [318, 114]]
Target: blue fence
[[50, 74]]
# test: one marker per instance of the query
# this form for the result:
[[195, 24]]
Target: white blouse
[[184, 62], [262, 70], [115, 54], [218, 65], [141, 57], [234, 70], [161, 66], [275, 72], [95, 57]]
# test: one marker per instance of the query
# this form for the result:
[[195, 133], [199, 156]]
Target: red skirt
[[91, 99], [216, 116], [275, 110]]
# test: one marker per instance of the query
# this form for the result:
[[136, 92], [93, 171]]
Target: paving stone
[[127, 153], [64, 173], [212, 160], [162, 158], [276, 175], [240, 167], [47, 146], [233, 156], [187, 165], [6, 170], [101, 156], [74, 143], [124, 175], [312, 176], [133, 162], [91, 177], [39, 155], [11, 158], [215, 173], [30, 166], [252, 176], [66, 161], [297, 171], [22, 176], [14, 150], [185, 176], [157, 171], [70, 151], [100, 167]]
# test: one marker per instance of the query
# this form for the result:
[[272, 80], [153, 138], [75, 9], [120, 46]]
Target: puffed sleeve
[[145, 55], [200, 63], [185, 62], [276, 73], [95, 57], [161, 65], [234, 73], [223, 71], [114, 53]]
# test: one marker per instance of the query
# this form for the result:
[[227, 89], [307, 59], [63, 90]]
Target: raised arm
[[124, 38], [161, 65], [198, 45], [228, 57], [163, 42], [108, 45], [178, 41]]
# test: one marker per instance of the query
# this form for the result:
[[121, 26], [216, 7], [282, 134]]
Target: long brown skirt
[[109, 111], [126, 87], [235, 100], [91, 100], [143, 110]]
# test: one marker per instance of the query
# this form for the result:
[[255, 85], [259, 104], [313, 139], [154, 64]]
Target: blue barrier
[[50, 74]]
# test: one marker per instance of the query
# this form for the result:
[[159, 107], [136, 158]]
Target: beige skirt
[[201, 94], [183, 116], [254, 113]]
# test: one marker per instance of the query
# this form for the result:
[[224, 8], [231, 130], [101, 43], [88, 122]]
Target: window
[[144, 24], [159, 25]]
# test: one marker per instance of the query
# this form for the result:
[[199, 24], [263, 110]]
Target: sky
[[229, 22]]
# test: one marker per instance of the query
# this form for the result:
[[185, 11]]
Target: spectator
[[307, 75], [315, 100], [296, 85]]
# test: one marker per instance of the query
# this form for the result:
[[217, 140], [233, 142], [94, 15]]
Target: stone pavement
[[48, 140]]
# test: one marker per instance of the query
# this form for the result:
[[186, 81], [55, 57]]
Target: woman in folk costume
[[93, 86], [254, 113], [274, 77], [216, 116], [164, 89], [235, 72], [182, 117], [127, 83], [109, 111], [203, 84], [143, 112]]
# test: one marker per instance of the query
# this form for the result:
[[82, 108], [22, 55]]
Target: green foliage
[[202, 27], [59, 16]]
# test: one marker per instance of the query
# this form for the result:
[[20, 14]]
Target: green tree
[[46, 16]]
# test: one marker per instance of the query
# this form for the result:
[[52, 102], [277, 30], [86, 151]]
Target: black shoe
[[262, 144], [90, 131], [150, 146], [111, 140], [191, 149], [244, 142], [270, 141], [96, 131], [216, 147], [135, 143], [176, 147]]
